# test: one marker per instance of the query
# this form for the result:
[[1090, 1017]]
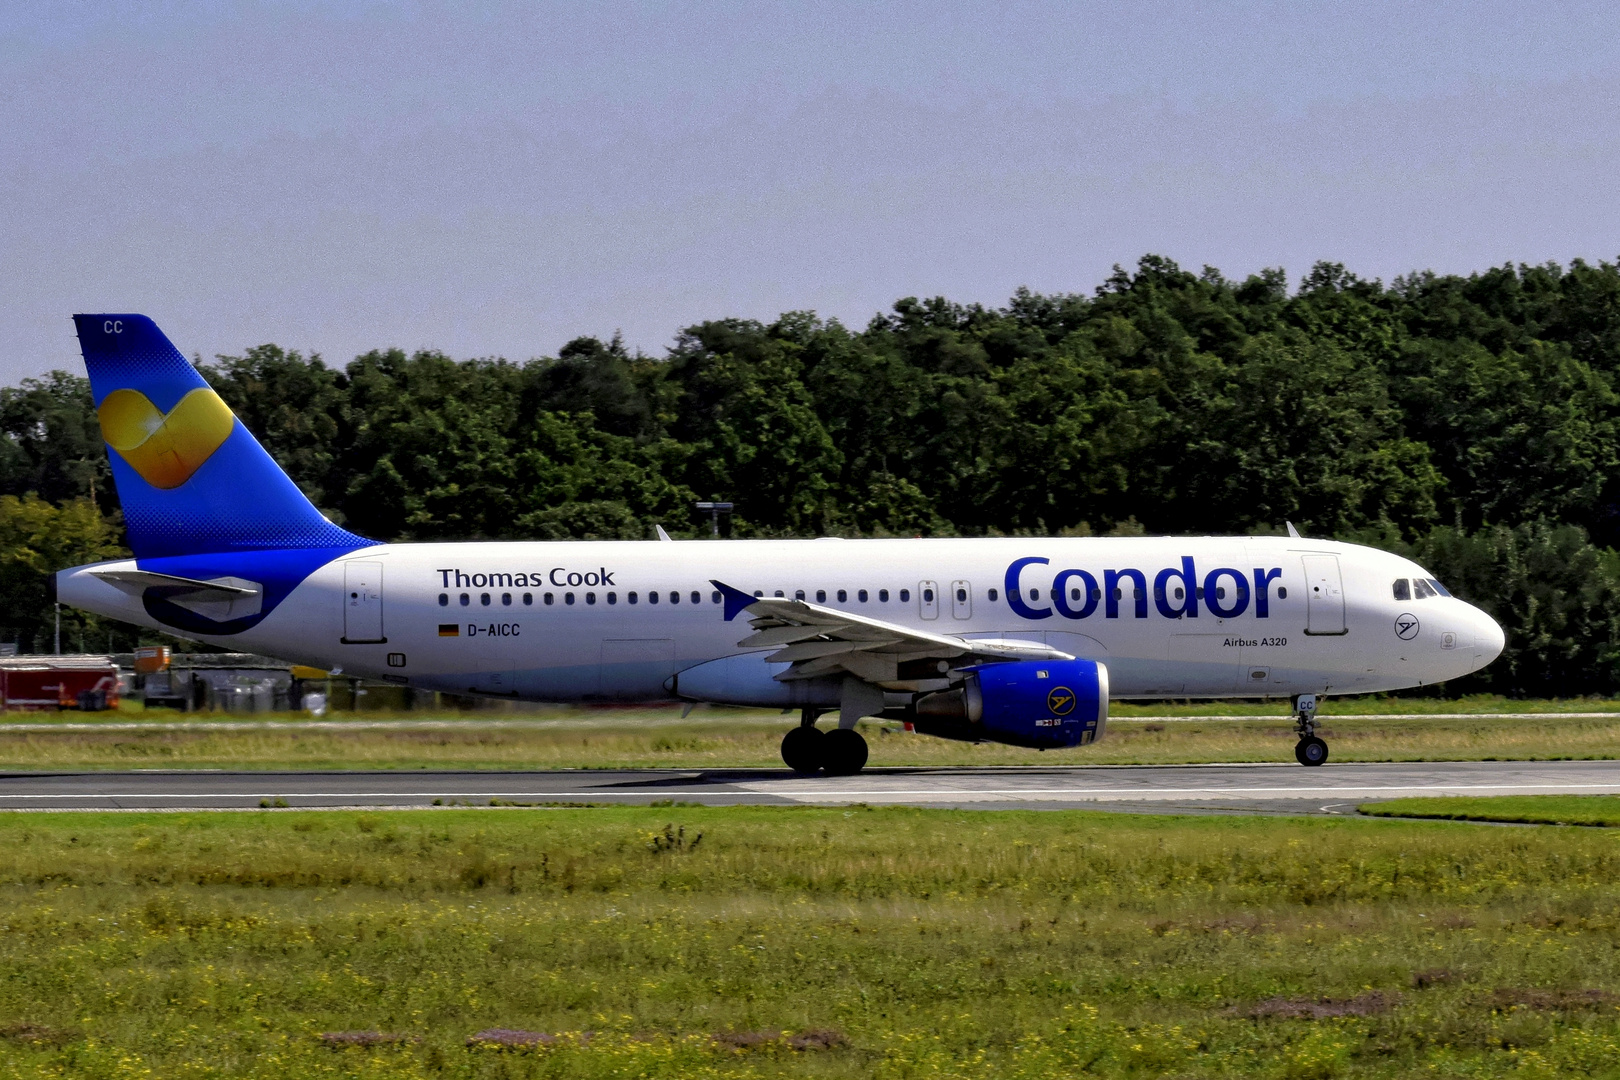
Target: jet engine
[[1044, 704]]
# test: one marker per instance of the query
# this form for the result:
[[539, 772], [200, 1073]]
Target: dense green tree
[[1473, 420]]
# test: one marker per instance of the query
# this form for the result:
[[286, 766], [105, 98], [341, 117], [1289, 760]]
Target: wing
[[819, 640]]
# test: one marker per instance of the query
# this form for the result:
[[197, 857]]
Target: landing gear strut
[[1310, 750], [807, 749]]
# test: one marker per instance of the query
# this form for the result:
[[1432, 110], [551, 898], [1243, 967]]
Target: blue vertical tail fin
[[191, 478]]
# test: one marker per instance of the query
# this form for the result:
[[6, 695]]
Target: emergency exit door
[[362, 603], [1324, 595]]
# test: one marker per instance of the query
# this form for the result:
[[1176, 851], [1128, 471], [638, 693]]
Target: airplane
[[1016, 640]]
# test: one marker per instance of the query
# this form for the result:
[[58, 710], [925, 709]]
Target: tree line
[[1470, 421]]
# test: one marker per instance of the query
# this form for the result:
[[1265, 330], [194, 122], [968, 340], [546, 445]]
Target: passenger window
[[1220, 592], [778, 592], [843, 595], [1074, 594], [1403, 589], [821, 596], [444, 599], [928, 596], [631, 597], [1421, 589], [590, 598], [528, 599], [714, 597], [652, 597], [961, 596], [798, 594], [883, 596], [1439, 588], [861, 596], [549, 598], [992, 595], [905, 595], [613, 598], [1179, 593], [464, 600], [1096, 594], [697, 597], [1282, 592], [506, 599], [483, 598], [675, 597], [568, 598]]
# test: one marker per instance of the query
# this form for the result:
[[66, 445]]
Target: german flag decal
[[449, 629]]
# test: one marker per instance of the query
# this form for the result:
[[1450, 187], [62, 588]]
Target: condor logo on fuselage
[[1177, 591]]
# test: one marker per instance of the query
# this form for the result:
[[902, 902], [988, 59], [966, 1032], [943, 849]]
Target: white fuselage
[[577, 621]]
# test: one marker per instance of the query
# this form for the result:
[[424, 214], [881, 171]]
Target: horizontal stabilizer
[[140, 580], [219, 599]]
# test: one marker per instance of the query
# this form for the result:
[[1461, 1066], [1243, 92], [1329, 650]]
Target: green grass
[[937, 943], [1529, 809], [617, 738]]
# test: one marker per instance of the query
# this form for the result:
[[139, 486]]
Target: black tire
[[1311, 751], [843, 752], [802, 749]]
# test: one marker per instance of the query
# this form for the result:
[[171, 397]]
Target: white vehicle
[[1020, 641]]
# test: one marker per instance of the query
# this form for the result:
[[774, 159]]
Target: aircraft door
[[362, 602], [1324, 595], [961, 600], [928, 599]]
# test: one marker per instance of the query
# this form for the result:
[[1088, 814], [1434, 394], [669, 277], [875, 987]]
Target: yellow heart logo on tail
[[165, 448]]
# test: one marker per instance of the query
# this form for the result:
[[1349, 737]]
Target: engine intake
[[1037, 703]]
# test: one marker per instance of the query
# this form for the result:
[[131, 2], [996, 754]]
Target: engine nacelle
[[1038, 703]]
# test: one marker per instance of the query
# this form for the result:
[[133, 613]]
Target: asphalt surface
[[1285, 789]]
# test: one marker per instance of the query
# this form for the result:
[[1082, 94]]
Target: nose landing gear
[[808, 750], [1310, 750]]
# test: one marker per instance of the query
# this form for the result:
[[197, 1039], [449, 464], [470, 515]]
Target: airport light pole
[[715, 509]]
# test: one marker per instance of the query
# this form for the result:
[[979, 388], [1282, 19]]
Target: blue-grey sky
[[339, 177]]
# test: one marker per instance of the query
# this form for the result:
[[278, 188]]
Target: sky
[[495, 182]]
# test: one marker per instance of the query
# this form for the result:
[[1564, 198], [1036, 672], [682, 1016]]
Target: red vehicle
[[58, 682]]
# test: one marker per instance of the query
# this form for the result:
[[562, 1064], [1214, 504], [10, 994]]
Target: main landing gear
[[808, 750], [1310, 750]]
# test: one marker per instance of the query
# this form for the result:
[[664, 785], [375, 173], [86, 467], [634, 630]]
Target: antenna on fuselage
[[1291, 530], [662, 535]]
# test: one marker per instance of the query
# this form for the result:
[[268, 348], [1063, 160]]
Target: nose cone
[[1489, 639]]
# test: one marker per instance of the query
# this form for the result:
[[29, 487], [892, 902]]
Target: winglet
[[737, 601], [1292, 531]]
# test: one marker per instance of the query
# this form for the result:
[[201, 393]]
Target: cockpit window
[[1439, 588], [1422, 590], [1403, 589]]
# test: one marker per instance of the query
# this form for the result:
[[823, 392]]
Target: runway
[[1265, 788]]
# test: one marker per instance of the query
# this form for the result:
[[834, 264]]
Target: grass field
[[619, 738], [1602, 810], [683, 941]]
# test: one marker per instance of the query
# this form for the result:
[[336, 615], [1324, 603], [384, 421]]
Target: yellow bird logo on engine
[[1060, 700], [165, 448]]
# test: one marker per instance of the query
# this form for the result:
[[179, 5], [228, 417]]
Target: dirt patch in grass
[[812, 1040], [36, 1034], [367, 1038], [1321, 1008], [1422, 980], [1552, 1000]]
